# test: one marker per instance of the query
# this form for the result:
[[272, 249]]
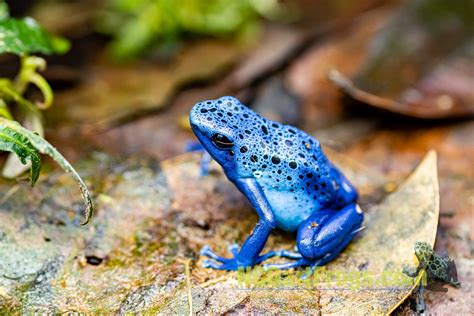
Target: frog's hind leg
[[282, 253], [330, 256], [303, 262], [290, 255], [321, 239], [288, 265]]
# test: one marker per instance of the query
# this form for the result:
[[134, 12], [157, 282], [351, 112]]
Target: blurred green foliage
[[25, 36], [139, 26], [22, 37]]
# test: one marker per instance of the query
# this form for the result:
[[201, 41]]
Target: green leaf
[[13, 141], [27, 145], [4, 112], [24, 36]]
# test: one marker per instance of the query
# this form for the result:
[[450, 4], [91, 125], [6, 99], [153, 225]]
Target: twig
[[9, 193], [187, 272]]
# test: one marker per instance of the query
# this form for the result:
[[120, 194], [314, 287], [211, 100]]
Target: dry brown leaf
[[128, 259], [409, 70], [404, 217], [112, 93]]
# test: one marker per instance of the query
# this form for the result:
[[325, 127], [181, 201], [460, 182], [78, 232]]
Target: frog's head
[[217, 124], [423, 251]]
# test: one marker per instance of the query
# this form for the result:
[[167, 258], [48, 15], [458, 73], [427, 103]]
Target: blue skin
[[286, 177]]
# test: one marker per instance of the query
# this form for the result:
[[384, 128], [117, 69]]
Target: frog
[[438, 268], [285, 175]]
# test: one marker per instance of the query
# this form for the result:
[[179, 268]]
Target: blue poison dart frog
[[286, 177]]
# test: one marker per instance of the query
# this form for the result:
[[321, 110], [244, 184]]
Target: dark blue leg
[[338, 232], [281, 253], [206, 158], [316, 239], [206, 251], [328, 257], [249, 253], [323, 236], [266, 256], [213, 265], [290, 255], [288, 265], [205, 162], [234, 249]]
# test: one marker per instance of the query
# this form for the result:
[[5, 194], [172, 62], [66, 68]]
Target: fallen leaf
[[385, 246], [346, 50], [148, 219], [409, 71], [110, 94]]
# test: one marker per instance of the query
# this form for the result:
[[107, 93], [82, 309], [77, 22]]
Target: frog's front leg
[[413, 273], [205, 163], [324, 235], [205, 159], [249, 253]]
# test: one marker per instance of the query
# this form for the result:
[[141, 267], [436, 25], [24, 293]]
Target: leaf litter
[[139, 238], [408, 70]]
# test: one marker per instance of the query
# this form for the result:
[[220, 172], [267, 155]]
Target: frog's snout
[[195, 119]]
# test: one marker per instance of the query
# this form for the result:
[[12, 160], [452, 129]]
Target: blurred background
[[381, 82]]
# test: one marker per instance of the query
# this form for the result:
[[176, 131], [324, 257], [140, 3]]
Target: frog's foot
[[409, 271], [207, 251], [232, 263], [290, 254], [281, 253], [285, 254], [234, 249], [229, 265], [288, 265], [221, 263]]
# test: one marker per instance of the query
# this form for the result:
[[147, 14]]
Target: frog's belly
[[290, 212]]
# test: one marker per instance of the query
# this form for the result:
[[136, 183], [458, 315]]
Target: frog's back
[[289, 165], [299, 183]]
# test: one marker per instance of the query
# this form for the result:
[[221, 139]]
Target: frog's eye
[[222, 141]]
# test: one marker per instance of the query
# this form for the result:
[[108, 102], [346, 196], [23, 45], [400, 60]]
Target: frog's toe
[[234, 249], [281, 253], [207, 251], [290, 254], [309, 272], [287, 265], [229, 265], [212, 264]]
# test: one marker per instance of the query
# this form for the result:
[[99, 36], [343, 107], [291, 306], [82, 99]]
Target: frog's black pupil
[[222, 141]]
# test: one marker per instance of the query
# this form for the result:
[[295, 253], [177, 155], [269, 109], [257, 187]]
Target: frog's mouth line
[[203, 139]]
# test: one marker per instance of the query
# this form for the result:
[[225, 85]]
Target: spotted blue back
[[289, 165]]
